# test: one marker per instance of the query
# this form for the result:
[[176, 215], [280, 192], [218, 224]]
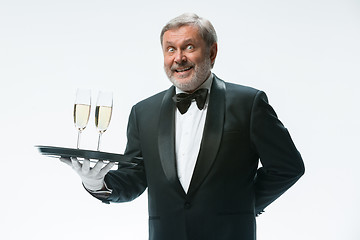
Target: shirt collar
[[206, 84]]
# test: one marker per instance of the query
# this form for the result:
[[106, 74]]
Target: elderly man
[[200, 143]]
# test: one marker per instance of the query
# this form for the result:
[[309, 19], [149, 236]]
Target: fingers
[[106, 169], [101, 171], [96, 169], [85, 166], [75, 163], [85, 169]]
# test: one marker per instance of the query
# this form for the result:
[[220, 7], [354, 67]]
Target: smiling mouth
[[183, 70]]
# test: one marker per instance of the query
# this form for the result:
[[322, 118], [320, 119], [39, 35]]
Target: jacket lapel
[[210, 142], [212, 134], [166, 139]]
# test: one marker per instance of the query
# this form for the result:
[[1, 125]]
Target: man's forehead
[[184, 34], [183, 41]]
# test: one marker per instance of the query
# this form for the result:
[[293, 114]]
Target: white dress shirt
[[189, 129]]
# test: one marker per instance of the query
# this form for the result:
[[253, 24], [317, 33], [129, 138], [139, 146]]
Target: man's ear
[[213, 52]]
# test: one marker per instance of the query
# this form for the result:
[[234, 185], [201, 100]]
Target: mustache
[[181, 65]]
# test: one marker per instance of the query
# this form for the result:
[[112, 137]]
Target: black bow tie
[[183, 100]]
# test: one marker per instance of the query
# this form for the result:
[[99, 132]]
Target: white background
[[304, 54]]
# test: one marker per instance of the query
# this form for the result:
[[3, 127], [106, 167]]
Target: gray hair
[[206, 29]]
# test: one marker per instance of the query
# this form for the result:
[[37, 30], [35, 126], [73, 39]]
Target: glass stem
[[78, 140], [98, 146]]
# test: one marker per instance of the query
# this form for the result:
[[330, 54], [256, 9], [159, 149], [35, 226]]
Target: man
[[200, 165]]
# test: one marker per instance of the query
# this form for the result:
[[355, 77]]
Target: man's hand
[[92, 178]]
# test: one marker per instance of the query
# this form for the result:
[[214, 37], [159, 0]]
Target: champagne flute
[[103, 113], [81, 111]]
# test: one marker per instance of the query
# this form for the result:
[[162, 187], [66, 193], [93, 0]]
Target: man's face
[[187, 61]]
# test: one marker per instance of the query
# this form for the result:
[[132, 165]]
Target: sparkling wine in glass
[[103, 113], [81, 111]]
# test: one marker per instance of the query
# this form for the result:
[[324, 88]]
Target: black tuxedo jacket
[[227, 189]]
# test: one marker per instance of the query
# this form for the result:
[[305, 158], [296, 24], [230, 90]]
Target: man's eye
[[190, 47], [171, 50]]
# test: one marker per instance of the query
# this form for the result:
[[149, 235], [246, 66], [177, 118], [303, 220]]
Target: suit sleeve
[[282, 164], [127, 183]]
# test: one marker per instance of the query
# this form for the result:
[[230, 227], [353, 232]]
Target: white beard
[[202, 72]]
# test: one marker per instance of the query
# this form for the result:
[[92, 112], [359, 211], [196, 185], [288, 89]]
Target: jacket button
[[187, 205]]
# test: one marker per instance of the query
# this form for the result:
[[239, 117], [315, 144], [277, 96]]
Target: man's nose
[[180, 57]]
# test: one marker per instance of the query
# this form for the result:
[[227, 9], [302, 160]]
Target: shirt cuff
[[104, 190]]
